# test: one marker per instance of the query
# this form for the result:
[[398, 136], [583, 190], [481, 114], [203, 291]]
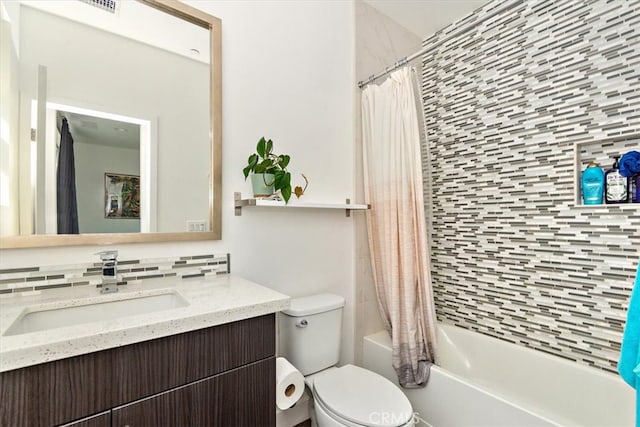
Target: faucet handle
[[107, 255], [109, 264]]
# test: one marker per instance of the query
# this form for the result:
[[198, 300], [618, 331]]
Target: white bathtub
[[483, 381]]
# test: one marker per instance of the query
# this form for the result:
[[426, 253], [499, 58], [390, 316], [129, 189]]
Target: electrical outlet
[[196, 225]]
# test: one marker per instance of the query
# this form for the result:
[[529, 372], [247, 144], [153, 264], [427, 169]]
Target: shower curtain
[[67, 205], [396, 224]]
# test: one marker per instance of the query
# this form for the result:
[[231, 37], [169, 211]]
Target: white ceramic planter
[[262, 184]]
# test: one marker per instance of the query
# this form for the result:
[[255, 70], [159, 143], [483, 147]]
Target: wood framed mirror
[[171, 102]]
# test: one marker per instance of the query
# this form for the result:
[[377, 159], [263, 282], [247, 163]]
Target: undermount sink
[[36, 318]]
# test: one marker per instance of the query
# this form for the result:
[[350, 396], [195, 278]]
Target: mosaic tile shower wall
[[513, 257]]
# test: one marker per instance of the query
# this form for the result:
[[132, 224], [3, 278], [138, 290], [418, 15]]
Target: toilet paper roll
[[289, 384]]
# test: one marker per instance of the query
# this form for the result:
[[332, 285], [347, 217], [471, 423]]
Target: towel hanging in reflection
[[67, 212]]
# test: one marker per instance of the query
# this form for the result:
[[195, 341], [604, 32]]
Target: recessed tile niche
[[602, 152]]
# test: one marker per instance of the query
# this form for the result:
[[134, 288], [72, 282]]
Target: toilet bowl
[[356, 397], [343, 396]]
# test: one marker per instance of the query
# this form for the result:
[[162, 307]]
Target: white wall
[[92, 161], [288, 74], [8, 121]]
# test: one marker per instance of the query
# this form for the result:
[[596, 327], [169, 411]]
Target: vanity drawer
[[240, 397], [56, 392], [148, 367], [69, 389]]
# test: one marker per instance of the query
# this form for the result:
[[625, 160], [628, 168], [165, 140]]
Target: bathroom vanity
[[209, 362]]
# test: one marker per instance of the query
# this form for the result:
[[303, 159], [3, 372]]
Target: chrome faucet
[[109, 271]]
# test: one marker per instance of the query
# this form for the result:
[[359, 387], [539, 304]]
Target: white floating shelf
[[304, 204], [239, 203]]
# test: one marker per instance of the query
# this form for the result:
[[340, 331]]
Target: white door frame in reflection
[[148, 162]]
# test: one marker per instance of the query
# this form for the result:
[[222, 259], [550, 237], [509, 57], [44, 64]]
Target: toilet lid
[[363, 397]]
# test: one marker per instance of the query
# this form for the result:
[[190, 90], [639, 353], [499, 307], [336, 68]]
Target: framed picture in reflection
[[122, 196]]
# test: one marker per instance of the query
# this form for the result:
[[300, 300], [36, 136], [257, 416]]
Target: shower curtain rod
[[407, 59]]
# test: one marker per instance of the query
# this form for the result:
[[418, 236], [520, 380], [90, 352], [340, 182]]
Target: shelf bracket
[[238, 203], [347, 211]]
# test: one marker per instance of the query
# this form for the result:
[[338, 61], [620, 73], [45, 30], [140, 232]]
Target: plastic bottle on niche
[[616, 186], [635, 188], [592, 184]]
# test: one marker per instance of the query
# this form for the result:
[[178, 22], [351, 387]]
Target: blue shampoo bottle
[[592, 184]]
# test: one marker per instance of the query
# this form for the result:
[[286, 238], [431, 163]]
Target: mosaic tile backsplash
[[90, 274], [513, 257]]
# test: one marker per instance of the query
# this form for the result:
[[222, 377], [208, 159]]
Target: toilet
[[310, 333]]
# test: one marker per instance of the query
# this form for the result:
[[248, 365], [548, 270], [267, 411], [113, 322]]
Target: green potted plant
[[269, 171]]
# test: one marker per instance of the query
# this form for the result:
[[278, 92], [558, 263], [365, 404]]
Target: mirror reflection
[[136, 103], [106, 157]]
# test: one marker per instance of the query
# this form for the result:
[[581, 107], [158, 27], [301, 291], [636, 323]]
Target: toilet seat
[[362, 397]]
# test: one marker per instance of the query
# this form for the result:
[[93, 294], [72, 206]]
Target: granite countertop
[[211, 301]]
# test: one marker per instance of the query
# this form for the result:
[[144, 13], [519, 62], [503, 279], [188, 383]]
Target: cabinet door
[[56, 392], [241, 397], [100, 420]]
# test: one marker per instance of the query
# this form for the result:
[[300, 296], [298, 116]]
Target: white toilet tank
[[310, 332]]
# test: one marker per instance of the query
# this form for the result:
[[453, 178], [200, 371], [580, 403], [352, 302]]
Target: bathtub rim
[[383, 339]]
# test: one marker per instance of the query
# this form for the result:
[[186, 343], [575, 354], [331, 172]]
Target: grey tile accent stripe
[[18, 270], [57, 276], [505, 104]]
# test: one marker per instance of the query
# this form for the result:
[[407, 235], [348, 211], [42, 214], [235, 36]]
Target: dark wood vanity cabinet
[[229, 399], [100, 420], [218, 376]]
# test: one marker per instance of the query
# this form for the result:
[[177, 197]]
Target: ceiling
[[99, 131], [422, 17], [425, 17]]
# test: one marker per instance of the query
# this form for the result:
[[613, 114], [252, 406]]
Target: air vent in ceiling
[[88, 124], [108, 5]]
